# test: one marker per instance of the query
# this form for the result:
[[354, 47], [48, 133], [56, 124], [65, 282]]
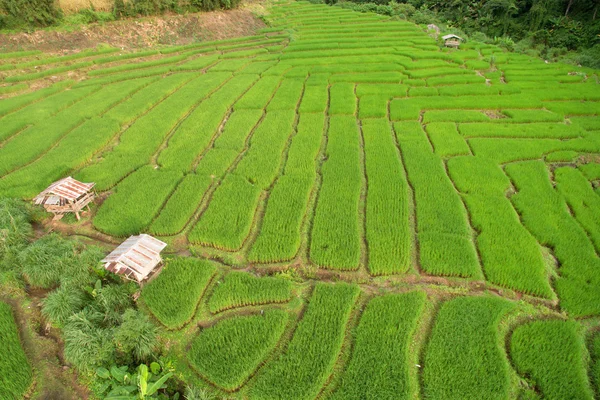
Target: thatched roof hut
[[66, 195], [452, 40], [136, 257]]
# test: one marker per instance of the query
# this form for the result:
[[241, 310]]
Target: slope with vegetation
[[352, 211]]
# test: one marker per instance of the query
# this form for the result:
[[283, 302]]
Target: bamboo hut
[[135, 258], [452, 40], [65, 196]]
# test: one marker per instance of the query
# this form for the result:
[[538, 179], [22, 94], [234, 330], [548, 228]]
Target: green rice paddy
[[352, 210]]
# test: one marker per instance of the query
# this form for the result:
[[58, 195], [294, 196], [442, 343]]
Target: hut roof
[[451, 36], [67, 188], [136, 257]]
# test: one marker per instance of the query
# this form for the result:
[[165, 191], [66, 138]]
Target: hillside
[[408, 221]]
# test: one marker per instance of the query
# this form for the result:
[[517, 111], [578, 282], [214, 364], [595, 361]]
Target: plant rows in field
[[15, 372], [343, 140], [173, 296], [239, 289]]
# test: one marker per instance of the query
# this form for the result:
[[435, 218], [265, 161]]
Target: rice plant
[[308, 360], [552, 354], [240, 289], [173, 296], [463, 358], [227, 353]]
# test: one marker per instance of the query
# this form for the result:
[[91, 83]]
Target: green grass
[[33, 142], [444, 232], [227, 221], [136, 146], [583, 202], [227, 353], [504, 244], [136, 201], [388, 231], [552, 354], [15, 371], [544, 213], [259, 95], [187, 197], [280, 232], [240, 289], [194, 134], [173, 295], [379, 365], [463, 359], [342, 99], [260, 164], [335, 237], [302, 369], [446, 140]]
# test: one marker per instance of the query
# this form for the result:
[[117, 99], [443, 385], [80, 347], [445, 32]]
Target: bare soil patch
[[132, 34]]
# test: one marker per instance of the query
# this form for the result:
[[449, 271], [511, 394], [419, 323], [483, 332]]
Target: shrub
[[44, 262], [136, 336], [61, 304], [30, 13]]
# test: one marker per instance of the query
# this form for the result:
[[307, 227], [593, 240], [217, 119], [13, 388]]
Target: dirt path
[[142, 32]]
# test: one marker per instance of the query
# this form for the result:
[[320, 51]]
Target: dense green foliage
[[552, 353], [15, 371], [240, 289], [229, 352], [378, 367], [173, 296], [463, 358]]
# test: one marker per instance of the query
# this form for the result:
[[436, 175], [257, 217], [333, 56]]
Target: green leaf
[[157, 385], [118, 374], [103, 373], [155, 368]]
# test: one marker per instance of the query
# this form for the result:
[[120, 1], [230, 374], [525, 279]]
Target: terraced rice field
[[455, 192]]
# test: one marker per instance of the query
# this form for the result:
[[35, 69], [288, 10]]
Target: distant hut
[[65, 196], [135, 258], [452, 40]]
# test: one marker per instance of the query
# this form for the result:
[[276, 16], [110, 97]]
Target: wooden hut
[[66, 195], [452, 41], [136, 257]]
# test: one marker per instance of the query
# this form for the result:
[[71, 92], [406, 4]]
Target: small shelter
[[66, 195], [136, 257], [452, 40]]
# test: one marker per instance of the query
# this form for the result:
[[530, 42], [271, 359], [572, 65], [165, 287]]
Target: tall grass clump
[[240, 289], [173, 296], [227, 353]]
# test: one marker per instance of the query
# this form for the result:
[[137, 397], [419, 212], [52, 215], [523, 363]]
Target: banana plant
[[144, 384]]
